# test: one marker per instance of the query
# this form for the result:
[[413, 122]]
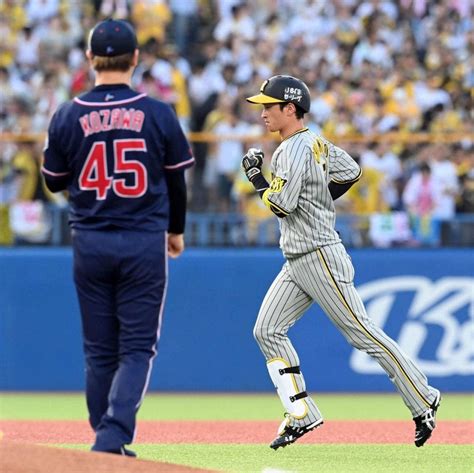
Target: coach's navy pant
[[121, 279]]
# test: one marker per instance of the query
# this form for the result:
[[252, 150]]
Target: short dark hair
[[299, 114], [120, 63], [425, 167]]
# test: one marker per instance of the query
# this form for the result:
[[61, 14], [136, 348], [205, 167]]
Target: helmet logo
[[293, 93]]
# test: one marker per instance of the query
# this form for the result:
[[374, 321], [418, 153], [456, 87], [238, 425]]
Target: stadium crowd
[[373, 67]]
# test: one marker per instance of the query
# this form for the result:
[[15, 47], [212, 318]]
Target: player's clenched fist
[[252, 163]]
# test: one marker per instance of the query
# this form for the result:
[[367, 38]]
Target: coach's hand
[[175, 244], [252, 163]]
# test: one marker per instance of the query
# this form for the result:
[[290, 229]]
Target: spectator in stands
[[463, 158], [445, 178], [372, 50], [184, 24], [240, 24], [366, 197], [27, 51], [112, 8], [387, 163], [421, 197], [150, 20], [373, 66], [204, 88], [39, 12], [228, 152]]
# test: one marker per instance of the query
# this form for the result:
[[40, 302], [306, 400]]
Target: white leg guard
[[283, 378]]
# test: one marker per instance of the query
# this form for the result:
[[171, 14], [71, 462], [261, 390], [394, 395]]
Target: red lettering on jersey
[[95, 122], [126, 118], [138, 119], [115, 119], [84, 121], [105, 119]]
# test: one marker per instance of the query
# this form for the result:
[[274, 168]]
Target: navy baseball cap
[[111, 38]]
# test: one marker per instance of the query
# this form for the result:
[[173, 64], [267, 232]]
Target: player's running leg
[[282, 306], [328, 276]]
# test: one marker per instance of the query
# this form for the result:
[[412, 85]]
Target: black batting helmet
[[283, 89]]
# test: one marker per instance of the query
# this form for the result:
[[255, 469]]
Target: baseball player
[[121, 155], [308, 174]]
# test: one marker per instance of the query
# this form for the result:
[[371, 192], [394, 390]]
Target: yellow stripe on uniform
[[377, 342], [270, 204]]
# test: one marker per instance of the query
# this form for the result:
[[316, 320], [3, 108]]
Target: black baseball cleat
[[292, 434], [426, 423]]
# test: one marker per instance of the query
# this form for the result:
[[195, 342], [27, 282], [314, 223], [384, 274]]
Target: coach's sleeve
[[179, 155], [177, 198], [55, 167]]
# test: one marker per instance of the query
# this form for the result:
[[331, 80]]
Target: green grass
[[359, 458], [259, 458], [230, 407]]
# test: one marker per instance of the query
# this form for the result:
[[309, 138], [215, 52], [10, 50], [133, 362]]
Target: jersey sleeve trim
[[108, 104], [273, 207], [54, 174], [350, 180], [184, 164]]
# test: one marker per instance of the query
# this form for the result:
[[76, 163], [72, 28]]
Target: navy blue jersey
[[114, 146]]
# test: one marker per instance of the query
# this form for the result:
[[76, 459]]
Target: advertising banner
[[423, 299]]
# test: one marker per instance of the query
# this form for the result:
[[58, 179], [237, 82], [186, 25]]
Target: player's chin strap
[[282, 375]]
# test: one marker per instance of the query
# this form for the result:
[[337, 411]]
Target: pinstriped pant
[[326, 277]]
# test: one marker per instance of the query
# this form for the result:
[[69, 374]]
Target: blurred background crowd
[[392, 83]]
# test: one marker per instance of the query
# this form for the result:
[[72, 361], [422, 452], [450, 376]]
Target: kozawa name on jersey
[[112, 119]]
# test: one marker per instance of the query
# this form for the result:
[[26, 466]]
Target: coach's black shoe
[[119, 451], [292, 434], [426, 423], [127, 452]]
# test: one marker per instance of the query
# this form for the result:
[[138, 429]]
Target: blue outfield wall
[[422, 298]]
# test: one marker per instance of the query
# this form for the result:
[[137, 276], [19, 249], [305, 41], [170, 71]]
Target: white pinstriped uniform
[[318, 269]]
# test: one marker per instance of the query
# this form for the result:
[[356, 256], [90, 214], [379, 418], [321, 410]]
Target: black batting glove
[[252, 163]]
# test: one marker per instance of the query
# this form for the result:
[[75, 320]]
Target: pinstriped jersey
[[302, 167]]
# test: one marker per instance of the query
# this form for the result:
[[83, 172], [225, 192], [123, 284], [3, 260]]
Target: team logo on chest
[[320, 151]]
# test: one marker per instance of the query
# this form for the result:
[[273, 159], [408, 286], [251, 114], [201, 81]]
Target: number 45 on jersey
[[95, 174]]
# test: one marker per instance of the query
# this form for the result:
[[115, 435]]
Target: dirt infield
[[376, 432], [24, 458]]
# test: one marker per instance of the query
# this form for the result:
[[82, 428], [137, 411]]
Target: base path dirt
[[447, 432], [24, 458]]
